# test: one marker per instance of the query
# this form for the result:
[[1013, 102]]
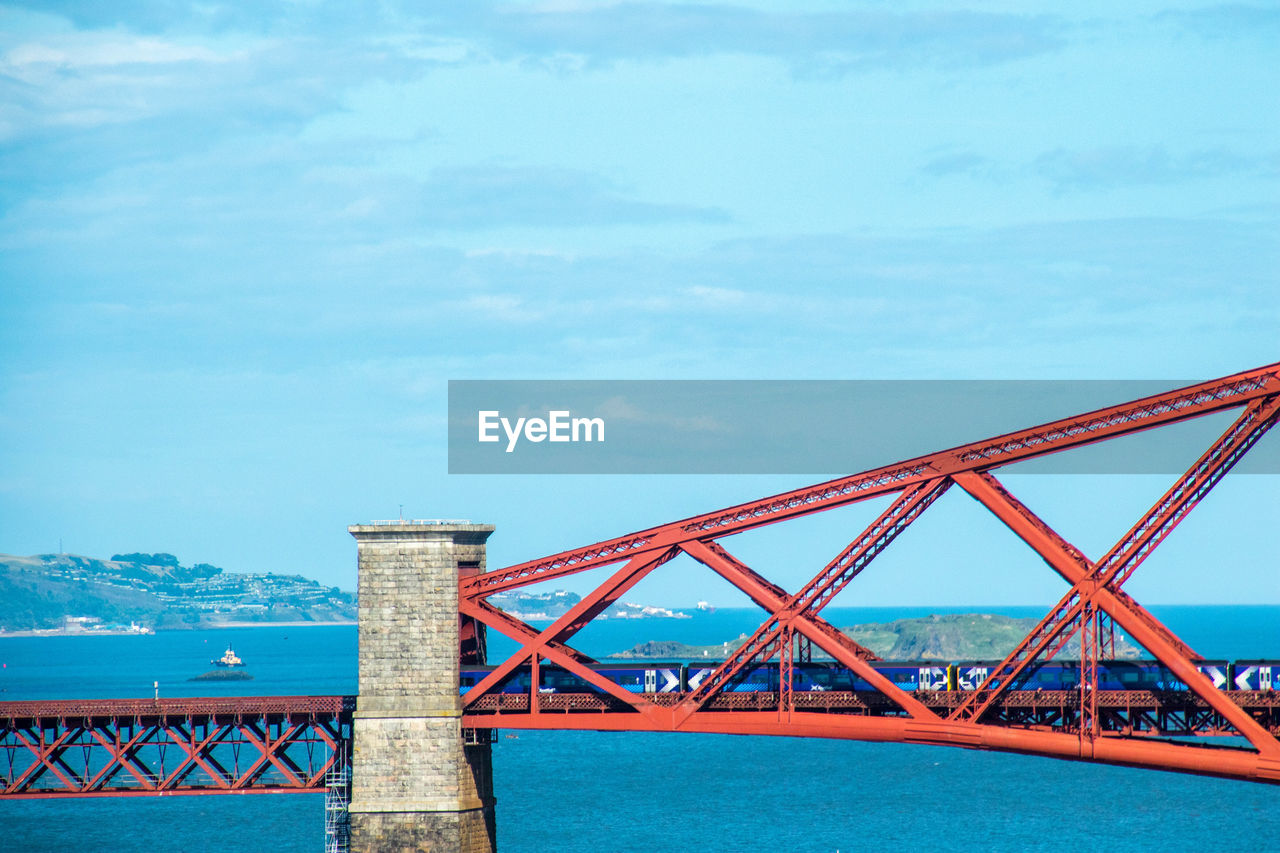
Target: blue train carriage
[[968, 675], [824, 676], [1153, 675], [753, 678], [1051, 675], [516, 682], [648, 677], [692, 675], [909, 676], [765, 677], [633, 677], [1218, 671], [1254, 675], [1065, 675]]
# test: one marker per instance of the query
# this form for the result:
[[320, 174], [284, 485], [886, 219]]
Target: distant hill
[[57, 591], [959, 636], [523, 604], [968, 636], [535, 606]]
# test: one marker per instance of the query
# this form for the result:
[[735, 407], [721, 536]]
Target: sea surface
[[592, 791]]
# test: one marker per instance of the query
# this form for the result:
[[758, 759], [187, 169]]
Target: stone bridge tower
[[416, 784]]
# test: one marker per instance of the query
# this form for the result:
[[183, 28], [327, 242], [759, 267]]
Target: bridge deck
[[1132, 712], [211, 707], [114, 747]]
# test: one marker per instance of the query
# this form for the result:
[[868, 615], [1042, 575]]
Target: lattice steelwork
[[1084, 723], [191, 746]]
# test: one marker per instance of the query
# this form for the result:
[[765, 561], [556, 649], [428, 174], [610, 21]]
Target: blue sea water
[[592, 791]]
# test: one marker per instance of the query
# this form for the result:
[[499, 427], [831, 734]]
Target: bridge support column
[[416, 785]]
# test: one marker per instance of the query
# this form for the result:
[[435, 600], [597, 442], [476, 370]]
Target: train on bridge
[[910, 676]]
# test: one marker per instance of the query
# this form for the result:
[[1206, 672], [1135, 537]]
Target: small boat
[[229, 658]]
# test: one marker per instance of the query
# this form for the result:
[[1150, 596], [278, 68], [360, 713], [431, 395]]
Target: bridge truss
[[1128, 728], [115, 747]]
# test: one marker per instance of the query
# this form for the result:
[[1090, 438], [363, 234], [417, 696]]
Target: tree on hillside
[[162, 559]]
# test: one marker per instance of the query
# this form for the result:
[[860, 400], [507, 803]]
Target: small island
[[223, 675]]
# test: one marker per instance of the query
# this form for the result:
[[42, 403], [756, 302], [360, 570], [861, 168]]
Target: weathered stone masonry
[[416, 785]]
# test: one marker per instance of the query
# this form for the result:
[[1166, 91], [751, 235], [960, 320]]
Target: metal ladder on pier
[[337, 798]]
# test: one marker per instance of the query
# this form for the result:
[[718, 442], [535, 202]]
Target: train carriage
[[1065, 675], [516, 682], [1255, 675], [910, 676], [644, 677], [633, 677]]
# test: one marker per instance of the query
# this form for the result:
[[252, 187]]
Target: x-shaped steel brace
[[799, 612], [549, 643], [1099, 583]]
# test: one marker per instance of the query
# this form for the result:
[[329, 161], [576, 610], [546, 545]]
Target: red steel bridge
[[121, 747], [1135, 728]]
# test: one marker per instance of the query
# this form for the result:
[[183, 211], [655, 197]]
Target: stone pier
[[416, 785]]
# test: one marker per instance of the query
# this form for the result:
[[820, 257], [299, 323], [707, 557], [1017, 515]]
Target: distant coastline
[[208, 626], [211, 626], [67, 632]]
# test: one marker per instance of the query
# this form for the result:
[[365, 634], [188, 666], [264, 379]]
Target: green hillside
[[41, 592]]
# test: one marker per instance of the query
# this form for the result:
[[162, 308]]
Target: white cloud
[[94, 78], [90, 50], [718, 296], [1127, 165]]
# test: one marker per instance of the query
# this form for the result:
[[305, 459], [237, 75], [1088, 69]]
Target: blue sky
[[243, 247]]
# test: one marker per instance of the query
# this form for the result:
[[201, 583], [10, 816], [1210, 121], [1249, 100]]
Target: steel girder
[[172, 746], [1091, 727], [1131, 751], [1115, 421]]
